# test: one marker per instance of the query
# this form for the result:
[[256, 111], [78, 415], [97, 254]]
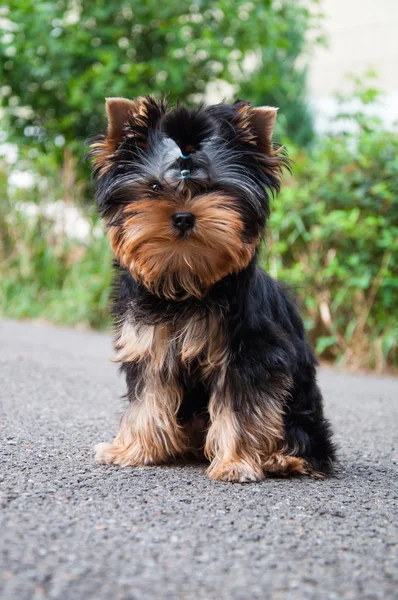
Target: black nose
[[183, 220]]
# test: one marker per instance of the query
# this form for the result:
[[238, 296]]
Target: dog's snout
[[183, 220]]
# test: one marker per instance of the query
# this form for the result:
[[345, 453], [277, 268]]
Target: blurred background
[[332, 68]]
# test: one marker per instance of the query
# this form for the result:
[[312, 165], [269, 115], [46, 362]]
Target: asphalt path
[[74, 530]]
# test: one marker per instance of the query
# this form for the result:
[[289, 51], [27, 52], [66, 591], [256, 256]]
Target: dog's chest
[[199, 341]]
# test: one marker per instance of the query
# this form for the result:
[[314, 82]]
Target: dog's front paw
[[108, 454], [123, 455], [235, 472]]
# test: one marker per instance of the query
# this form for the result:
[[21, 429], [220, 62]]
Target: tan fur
[[120, 112], [134, 342], [148, 245], [239, 444], [204, 339], [149, 432], [150, 343], [103, 152], [284, 464], [262, 121], [257, 125], [199, 338], [244, 122]]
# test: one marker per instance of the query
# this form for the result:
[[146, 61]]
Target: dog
[[213, 349]]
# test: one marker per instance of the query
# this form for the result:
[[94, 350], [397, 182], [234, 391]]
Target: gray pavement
[[74, 530]]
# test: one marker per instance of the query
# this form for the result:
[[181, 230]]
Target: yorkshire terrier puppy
[[213, 349]]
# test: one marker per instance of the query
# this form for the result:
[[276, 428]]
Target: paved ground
[[74, 530]]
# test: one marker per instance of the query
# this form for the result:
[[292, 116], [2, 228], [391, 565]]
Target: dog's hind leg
[[307, 433]]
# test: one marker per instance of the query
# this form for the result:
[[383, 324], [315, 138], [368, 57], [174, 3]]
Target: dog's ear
[[120, 112], [262, 122], [127, 120], [256, 124], [132, 118]]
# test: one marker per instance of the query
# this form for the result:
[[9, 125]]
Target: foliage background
[[334, 229], [61, 58]]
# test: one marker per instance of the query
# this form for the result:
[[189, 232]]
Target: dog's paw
[[234, 472], [283, 464], [107, 454], [131, 455]]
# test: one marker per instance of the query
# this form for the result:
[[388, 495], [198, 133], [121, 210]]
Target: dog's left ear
[[257, 124], [262, 122]]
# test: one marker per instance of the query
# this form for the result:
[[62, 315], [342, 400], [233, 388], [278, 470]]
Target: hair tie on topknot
[[185, 173]]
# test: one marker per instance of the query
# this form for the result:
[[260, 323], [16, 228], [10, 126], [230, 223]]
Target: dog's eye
[[155, 188]]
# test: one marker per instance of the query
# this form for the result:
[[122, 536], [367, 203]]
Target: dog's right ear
[[127, 120], [121, 113], [132, 118]]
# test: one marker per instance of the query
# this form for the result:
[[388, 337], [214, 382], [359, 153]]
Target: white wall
[[361, 34]]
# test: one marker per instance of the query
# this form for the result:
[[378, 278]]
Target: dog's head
[[185, 193]]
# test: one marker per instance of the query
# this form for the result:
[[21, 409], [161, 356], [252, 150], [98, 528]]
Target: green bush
[[333, 236], [46, 270], [59, 59]]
